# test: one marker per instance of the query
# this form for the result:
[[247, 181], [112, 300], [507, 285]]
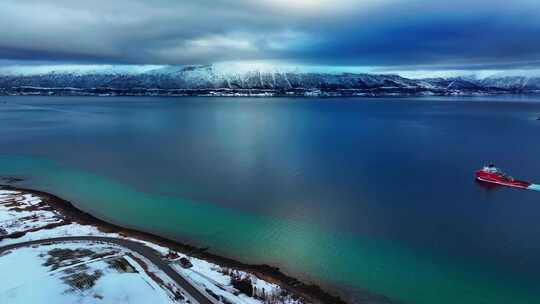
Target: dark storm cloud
[[321, 32], [474, 35]]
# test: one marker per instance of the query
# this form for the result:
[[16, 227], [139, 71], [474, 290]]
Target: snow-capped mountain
[[523, 83], [209, 79], [200, 77]]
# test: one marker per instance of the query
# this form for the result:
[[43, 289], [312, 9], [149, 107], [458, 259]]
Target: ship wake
[[535, 187]]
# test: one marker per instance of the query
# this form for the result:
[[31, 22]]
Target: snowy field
[[218, 281], [77, 273], [32, 279], [24, 212]]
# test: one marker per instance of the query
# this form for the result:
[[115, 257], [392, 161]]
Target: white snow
[[23, 70], [25, 266], [210, 276], [16, 219], [31, 281]]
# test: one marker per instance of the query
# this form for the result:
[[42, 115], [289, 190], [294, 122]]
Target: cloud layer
[[383, 33]]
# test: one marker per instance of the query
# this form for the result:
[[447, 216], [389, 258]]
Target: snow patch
[[33, 278]]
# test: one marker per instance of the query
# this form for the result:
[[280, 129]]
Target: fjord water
[[368, 196]]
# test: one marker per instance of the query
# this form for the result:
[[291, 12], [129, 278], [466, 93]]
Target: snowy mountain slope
[[512, 82], [210, 77], [192, 77]]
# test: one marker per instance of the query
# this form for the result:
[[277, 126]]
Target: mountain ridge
[[209, 80]]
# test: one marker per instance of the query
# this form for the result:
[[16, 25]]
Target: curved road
[[141, 249]]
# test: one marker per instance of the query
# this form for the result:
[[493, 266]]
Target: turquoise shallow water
[[313, 187], [375, 265]]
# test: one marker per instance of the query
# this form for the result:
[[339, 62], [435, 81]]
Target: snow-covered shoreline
[[83, 272], [27, 215]]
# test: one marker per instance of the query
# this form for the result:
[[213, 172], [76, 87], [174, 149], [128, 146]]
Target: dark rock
[[243, 285]]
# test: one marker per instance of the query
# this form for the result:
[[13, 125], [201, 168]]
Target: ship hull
[[501, 180]]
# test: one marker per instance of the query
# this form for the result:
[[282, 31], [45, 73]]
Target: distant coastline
[[224, 92], [213, 81]]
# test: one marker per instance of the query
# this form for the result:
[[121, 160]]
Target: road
[[141, 249]]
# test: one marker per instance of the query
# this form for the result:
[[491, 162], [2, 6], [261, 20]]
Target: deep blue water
[[372, 171]]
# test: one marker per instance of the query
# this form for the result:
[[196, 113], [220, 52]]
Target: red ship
[[491, 174]]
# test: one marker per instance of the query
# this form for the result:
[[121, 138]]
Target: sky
[[410, 36]]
